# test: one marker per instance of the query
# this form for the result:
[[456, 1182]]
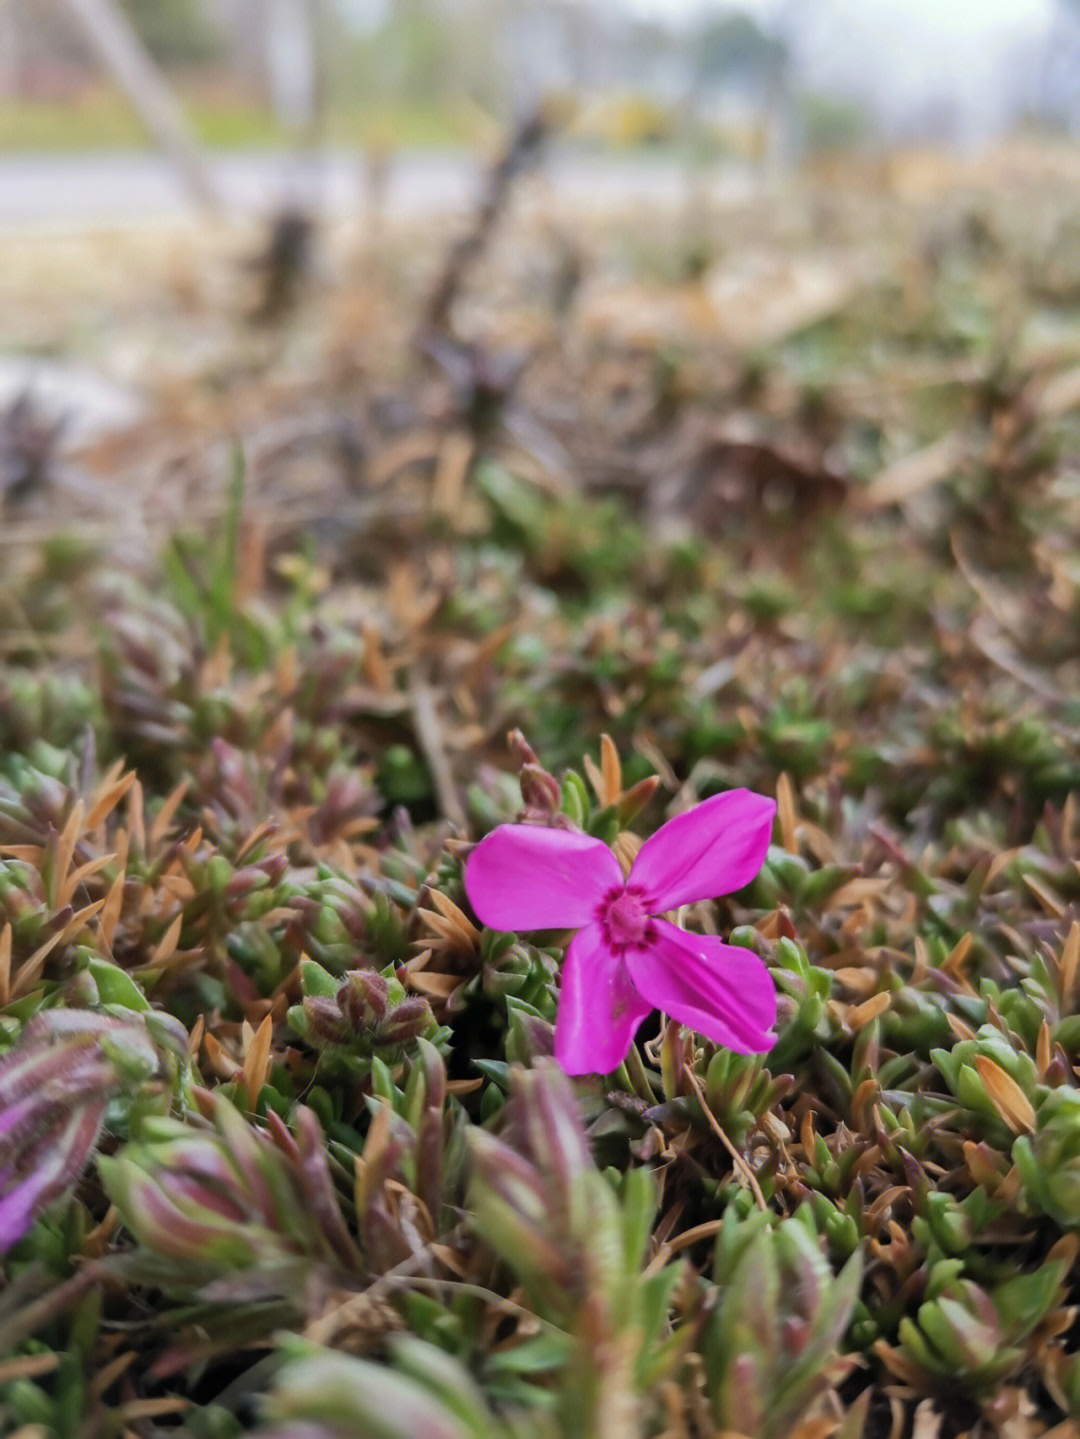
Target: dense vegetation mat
[[283, 1146]]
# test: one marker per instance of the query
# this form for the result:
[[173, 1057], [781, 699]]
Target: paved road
[[131, 186]]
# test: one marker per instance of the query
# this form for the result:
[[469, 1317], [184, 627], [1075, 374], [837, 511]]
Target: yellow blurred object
[[627, 119]]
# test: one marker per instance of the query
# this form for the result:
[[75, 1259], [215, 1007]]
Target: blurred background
[[318, 226], [763, 82]]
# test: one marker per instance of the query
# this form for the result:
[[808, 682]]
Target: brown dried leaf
[[136, 820], [166, 946], [787, 814], [66, 842], [452, 468], [861, 981], [980, 1165], [927, 1421], [899, 1365], [460, 920], [257, 1060], [861, 1014], [250, 841], [223, 1064], [953, 963], [1000, 861], [1009, 1188], [28, 1366], [1067, 1247], [5, 965], [907, 477], [97, 1239], [110, 912], [164, 817], [611, 770], [1052, 903], [112, 1371], [196, 1036], [137, 1409], [858, 891], [29, 971], [626, 848], [820, 844], [430, 982], [594, 776], [366, 1165], [922, 960], [1067, 1429], [819, 1427], [1008, 1098], [1068, 964], [959, 1027], [112, 789], [448, 936], [84, 872], [1044, 1050]]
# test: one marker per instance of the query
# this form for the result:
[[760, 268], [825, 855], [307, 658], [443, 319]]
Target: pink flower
[[625, 961]]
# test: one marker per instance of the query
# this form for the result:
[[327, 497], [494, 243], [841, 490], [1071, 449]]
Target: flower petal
[[723, 992], [714, 848], [523, 876], [599, 1008]]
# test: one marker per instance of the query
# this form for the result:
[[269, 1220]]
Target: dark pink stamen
[[624, 918]]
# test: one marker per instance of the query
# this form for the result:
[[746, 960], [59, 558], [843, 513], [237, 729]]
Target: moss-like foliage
[[282, 1142]]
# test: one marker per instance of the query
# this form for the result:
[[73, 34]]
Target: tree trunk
[[11, 50], [111, 36]]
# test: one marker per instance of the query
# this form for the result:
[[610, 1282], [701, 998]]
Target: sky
[[982, 59], [966, 17], [903, 57]]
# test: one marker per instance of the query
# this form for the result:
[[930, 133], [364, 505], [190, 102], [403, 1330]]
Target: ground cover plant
[[298, 1132]]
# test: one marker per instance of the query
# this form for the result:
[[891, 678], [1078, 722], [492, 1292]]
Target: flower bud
[[39, 1168], [773, 1335], [520, 749], [411, 1018], [540, 791], [362, 998], [323, 1020], [230, 1197], [54, 1089]]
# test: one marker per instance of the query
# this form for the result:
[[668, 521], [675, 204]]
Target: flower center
[[624, 918]]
